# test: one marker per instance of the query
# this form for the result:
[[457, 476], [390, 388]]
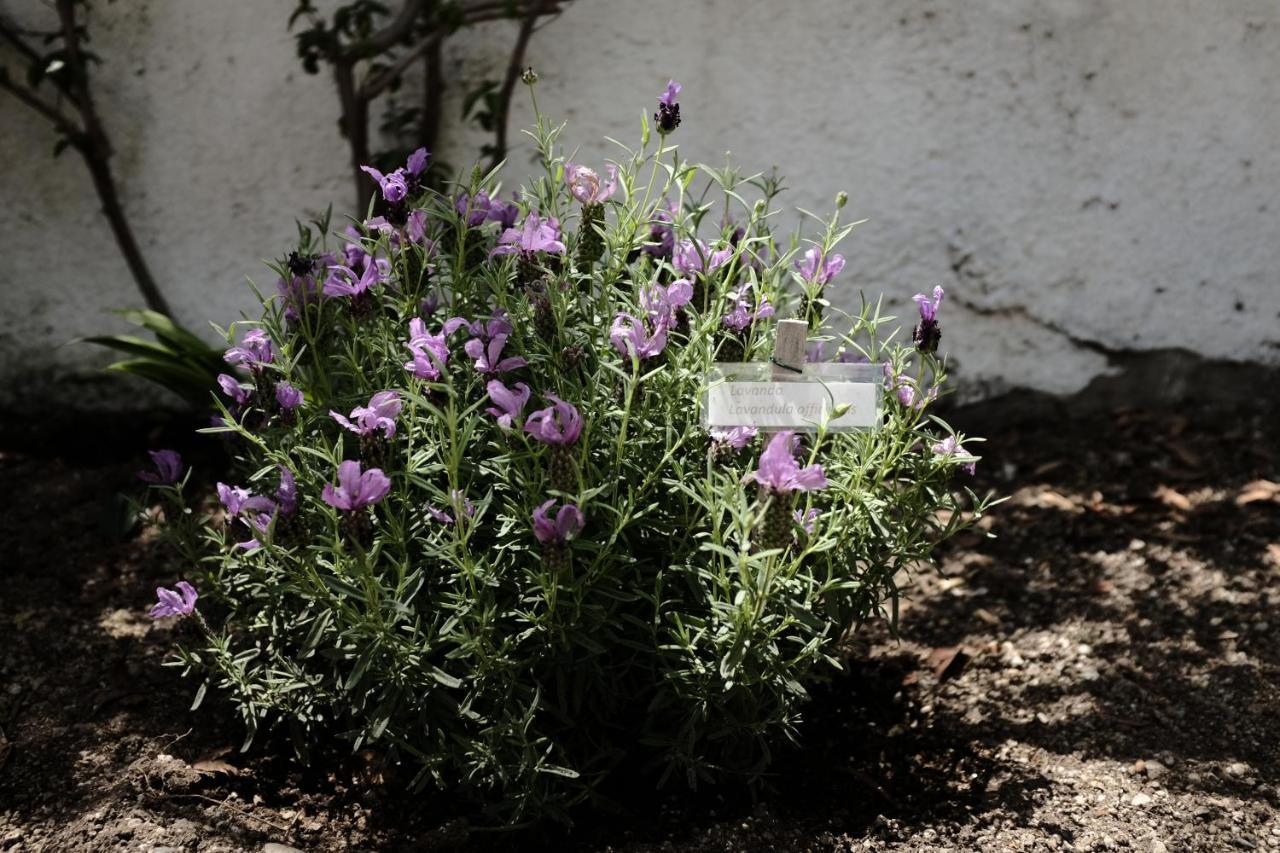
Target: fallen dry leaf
[[1049, 497], [1173, 499], [948, 661], [1258, 490], [1273, 551], [212, 766]]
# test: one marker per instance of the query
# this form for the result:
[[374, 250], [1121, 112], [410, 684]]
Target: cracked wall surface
[[1090, 180]]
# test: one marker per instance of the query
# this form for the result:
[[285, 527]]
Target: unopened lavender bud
[[840, 411], [528, 75], [842, 198]]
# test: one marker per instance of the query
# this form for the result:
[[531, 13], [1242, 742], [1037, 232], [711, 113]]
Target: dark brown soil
[[1104, 675]]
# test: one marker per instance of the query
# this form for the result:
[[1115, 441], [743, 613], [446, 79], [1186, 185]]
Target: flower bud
[[842, 198], [528, 75], [840, 411]]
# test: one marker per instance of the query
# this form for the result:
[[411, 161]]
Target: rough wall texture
[[1093, 181]]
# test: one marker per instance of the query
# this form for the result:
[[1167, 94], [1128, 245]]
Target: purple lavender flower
[[815, 351], [949, 446], [662, 232], [536, 235], [558, 424], [509, 403], [568, 523], [430, 352], [808, 520], [394, 186], [297, 293], [848, 356], [179, 602], [816, 269], [168, 468], [667, 118], [488, 355], [417, 162], [355, 490], [380, 414], [742, 315], [779, 472], [904, 388], [345, 281], [663, 303], [287, 494], [632, 340], [585, 184], [927, 334], [736, 437], [234, 389], [461, 504], [240, 501], [254, 351], [498, 324], [415, 227], [694, 256], [288, 397]]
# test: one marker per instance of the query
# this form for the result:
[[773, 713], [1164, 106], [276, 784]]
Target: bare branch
[[387, 37], [376, 85], [12, 35], [63, 124]]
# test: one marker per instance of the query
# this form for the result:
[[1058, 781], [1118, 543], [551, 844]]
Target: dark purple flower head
[[288, 397], [168, 468], [535, 235], [254, 350], [430, 352], [632, 340], [508, 403], [667, 118], [234, 389], [585, 184], [949, 447], [663, 303], [179, 602], [568, 523], [559, 424], [394, 186], [816, 269], [927, 335], [488, 355], [355, 490], [737, 437], [780, 473], [379, 414]]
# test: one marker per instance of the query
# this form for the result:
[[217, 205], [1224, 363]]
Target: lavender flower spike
[[168, 468], [430, 352], [488, 356], [394, 187], [632, 340], [509, 403], [736, 438], [535, 235], [567, 524], [781, 474], [667, 118], [585, 184], [380, 414], [254, 351], [818, 269], [558, 425], [287, 396], [180, 602], [356, 490], [927, 334], [949, 446]]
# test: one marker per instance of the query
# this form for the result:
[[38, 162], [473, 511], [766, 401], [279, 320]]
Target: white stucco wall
[[1085, 177]]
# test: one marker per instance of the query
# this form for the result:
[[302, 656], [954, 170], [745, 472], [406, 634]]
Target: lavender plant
[[477, 523]]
